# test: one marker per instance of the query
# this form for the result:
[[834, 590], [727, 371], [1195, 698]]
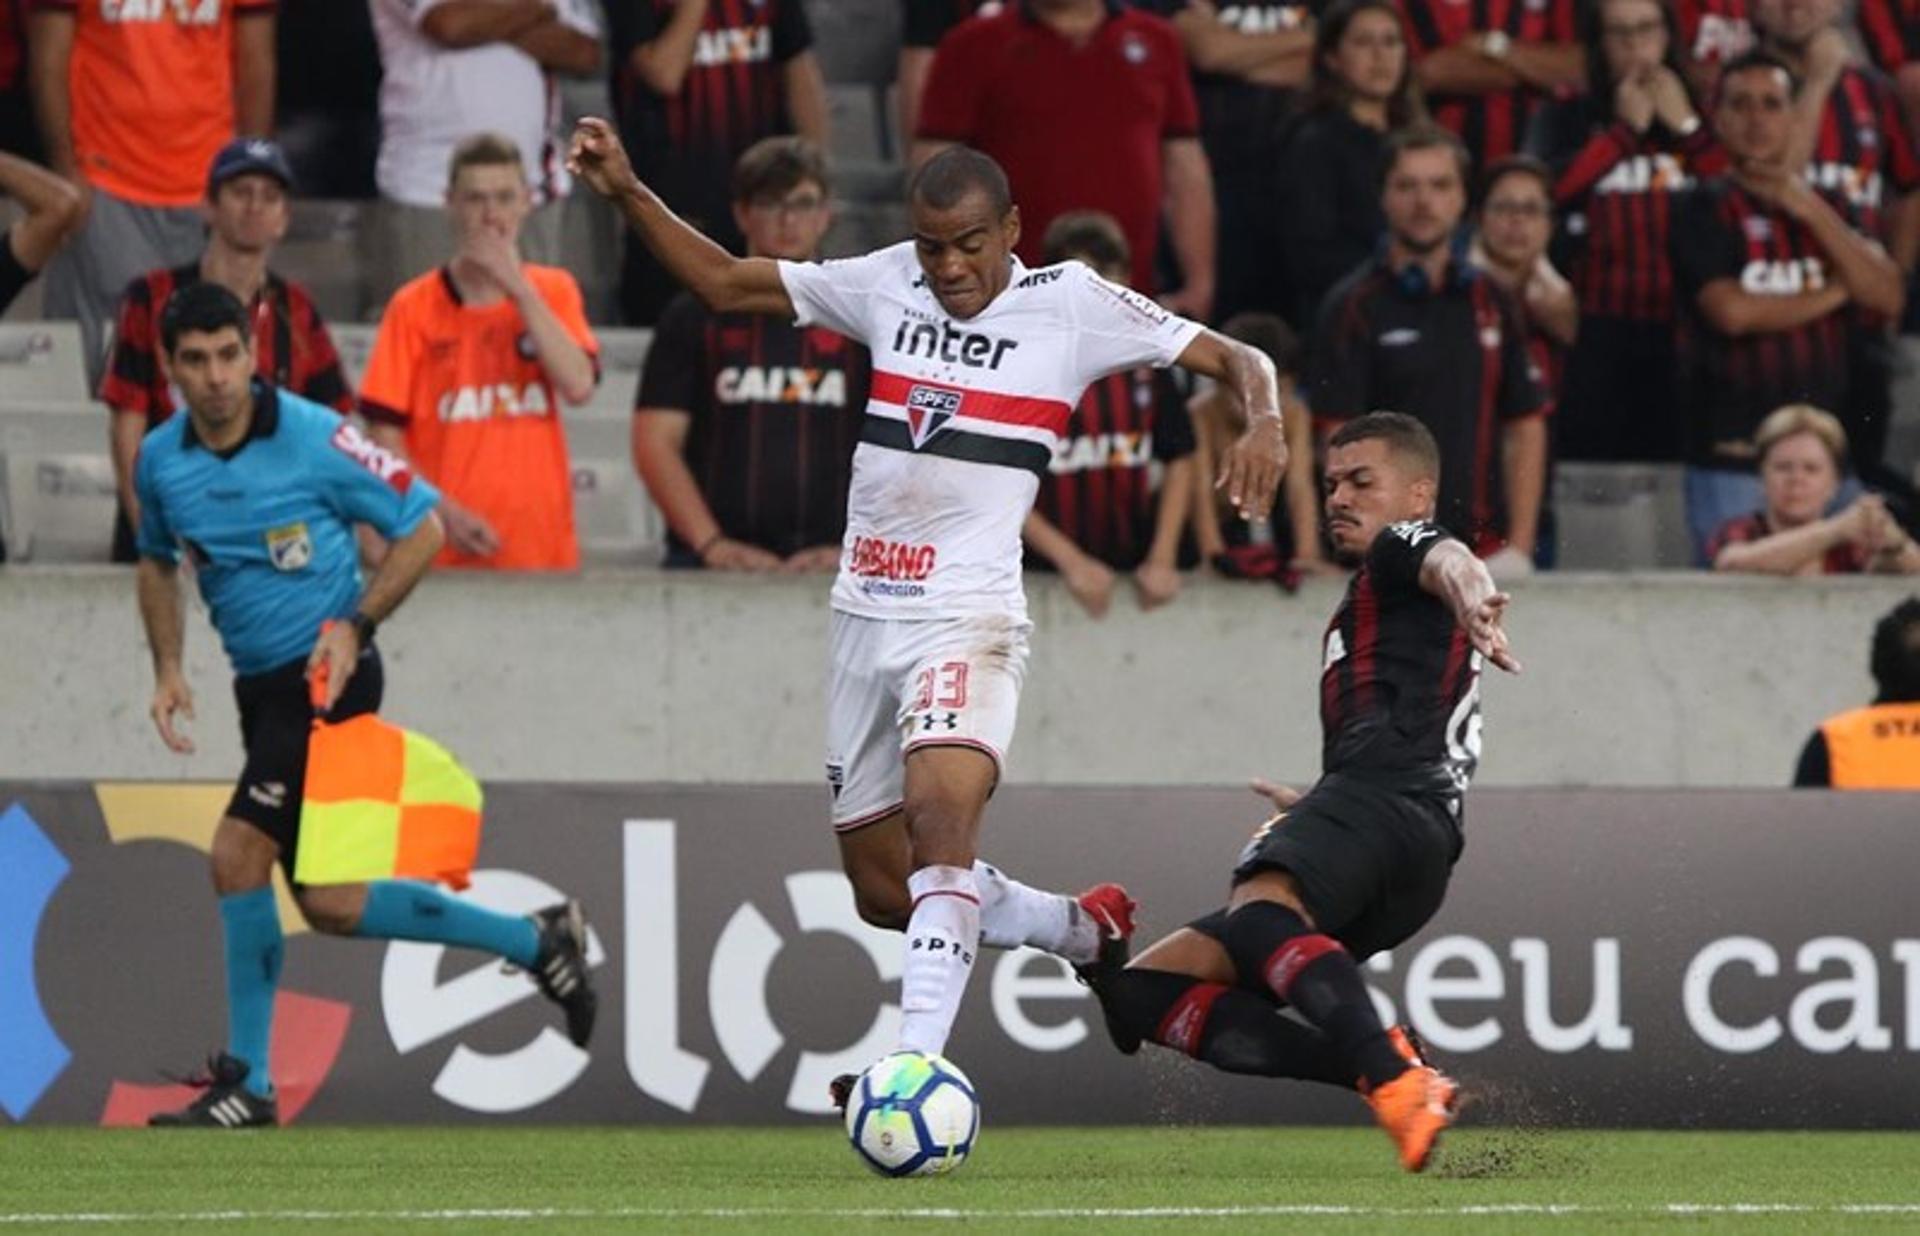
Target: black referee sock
[[1273, 946], [1235, 1031]]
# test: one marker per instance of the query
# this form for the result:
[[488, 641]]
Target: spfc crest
[[290, 548], [928, 409]]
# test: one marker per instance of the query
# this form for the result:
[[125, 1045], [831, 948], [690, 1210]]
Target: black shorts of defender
[[276, 718], [1371, 863]]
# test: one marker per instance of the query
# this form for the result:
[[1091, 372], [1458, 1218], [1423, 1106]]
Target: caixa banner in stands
[[1618, 957]]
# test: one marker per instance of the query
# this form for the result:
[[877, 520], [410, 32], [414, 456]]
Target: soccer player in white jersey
[[977, 362]]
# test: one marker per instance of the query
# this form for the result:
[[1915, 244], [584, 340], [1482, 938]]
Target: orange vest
[[1875, 748]]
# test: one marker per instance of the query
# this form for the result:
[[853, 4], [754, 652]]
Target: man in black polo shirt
[[1765, 272], [1419, 330], [745, 425]]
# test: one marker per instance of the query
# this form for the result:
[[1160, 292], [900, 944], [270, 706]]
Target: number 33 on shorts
[[939, 696]]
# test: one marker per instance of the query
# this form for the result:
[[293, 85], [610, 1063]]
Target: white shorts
[[893, 686]]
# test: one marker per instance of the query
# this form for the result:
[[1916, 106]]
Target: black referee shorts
[[1372, 864], [276, 718]]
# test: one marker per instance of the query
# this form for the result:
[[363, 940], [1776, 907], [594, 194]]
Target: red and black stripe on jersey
[[1400, 682], [1100, 489], [1891, 31], [1723, 232], [1490, 124], [292, 348], [1621, 186], [1863, 157], [684, 145], [13, 46], [1456, 360], [775, 413], [1714, 31]]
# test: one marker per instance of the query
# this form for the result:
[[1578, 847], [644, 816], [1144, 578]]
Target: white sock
[[1013, 914], [942, 937]]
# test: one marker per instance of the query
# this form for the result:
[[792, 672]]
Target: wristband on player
[[363, 627], [706, 546]]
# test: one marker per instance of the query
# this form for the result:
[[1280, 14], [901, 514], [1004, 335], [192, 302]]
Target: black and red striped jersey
[[1102, 488], [1863, 158], [1454, 358], [292, 349], [1615, 191], [1891, 31], [1723, 232], [1243, 121], [1490, 124], [684, 145], [1715, 31], [775, 414], [1399, 680]]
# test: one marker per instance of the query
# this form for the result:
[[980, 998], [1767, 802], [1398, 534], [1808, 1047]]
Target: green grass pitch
[[1116, 1182]]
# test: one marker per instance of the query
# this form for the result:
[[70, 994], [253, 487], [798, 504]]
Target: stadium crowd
[[1600, 231]]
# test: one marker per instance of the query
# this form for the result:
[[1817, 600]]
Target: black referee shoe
[[226, 1102], [561, 967]]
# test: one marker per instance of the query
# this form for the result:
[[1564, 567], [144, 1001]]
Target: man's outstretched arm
[[725, 282], [1452, 573]]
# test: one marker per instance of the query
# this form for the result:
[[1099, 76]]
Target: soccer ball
[[913, 1115]]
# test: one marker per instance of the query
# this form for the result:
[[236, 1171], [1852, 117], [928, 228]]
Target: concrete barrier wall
[[1647, 680]]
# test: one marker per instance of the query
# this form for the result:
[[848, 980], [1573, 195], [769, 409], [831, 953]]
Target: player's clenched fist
[[596, 156]]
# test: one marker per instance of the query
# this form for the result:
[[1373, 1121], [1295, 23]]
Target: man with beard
[[1418, 329], [1360, 862]]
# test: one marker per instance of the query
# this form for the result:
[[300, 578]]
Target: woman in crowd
[[1619, 154], [1362, 89], [1802, 457]]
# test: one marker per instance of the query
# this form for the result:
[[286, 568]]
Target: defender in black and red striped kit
[[1361, 861]]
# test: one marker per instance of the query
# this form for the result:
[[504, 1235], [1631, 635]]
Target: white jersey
[[964, 418], [431, 97]]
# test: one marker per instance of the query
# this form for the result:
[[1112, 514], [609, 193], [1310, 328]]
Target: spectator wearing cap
[[133, 107], [453, 68], [1803, 456], [246, 211], [1117, 493], [1088, 106], [1873, 748]]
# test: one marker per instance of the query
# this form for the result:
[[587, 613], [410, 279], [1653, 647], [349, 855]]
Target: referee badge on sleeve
[[290, 548]]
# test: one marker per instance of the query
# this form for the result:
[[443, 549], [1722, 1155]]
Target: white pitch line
[[1300, 1210]]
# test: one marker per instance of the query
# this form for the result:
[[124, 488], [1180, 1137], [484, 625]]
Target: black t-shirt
[[1329, 205], [776, 412], [1100, 489], [1454, 358], [1400, 691], [13, 276], [1732, 382], [734, 94], [927, 21]]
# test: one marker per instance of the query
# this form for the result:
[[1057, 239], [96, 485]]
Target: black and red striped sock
[[1272, 944], [1233, 1030]]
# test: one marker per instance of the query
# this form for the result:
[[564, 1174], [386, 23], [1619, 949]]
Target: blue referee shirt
[[268, 525]]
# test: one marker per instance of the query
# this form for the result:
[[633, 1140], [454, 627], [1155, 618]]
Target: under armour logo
[[930, 721]]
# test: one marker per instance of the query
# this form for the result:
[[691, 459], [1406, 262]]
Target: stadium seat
[[41, 361], [623, 350], [355, 343], [58, 481], [1617, 517], [856, 40], [616, 521], [322, 253], [856, 125]]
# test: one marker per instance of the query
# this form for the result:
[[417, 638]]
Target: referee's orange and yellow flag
[[382, 802]]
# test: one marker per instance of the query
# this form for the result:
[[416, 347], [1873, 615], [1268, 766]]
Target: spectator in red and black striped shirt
[[247, 212], [696, 82], [1621, 155], [745, 424], [1850, 134], [1713, 34], [1891, 31], [1767, 269], [1116, 496], [1486, 65]]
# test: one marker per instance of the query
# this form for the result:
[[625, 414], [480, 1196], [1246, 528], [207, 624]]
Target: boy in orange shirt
[[469, 368]]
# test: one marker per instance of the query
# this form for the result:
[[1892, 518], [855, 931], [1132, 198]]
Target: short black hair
[[1515, 165], [1093, 236], [1402, 434], [1896, 654], [775, 166], [206, 307], [1758, 58], [946, 178]]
